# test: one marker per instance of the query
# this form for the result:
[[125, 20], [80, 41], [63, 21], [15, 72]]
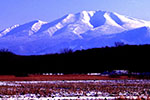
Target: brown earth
[[60, 77]]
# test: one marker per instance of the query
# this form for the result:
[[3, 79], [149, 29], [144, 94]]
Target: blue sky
[[21, 11]]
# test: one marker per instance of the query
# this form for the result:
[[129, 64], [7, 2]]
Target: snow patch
[[110, 21], [55, 28], [70, 18], [36, 27], [8, 30], [91, 13], [132, 23], [52, 30], [86, 18], [59, 26]]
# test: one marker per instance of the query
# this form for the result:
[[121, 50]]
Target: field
[[57, 87], [60, 77]]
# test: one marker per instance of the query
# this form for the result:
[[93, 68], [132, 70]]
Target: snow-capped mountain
[[87, 29]]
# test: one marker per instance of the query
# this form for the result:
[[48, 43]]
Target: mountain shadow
[[98, 19]]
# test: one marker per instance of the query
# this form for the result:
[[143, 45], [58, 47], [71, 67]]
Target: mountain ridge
[[83, 30]]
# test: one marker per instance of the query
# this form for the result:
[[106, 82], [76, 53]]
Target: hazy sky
[[21, 11]]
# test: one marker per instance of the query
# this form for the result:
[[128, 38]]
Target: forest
[[135, 58]]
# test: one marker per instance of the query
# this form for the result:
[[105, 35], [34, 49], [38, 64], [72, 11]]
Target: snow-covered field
[[75, 89], [64, 98]]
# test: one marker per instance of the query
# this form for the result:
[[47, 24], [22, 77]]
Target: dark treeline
[[134, 58]]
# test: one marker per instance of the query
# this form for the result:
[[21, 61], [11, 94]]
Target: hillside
[[130, 57]]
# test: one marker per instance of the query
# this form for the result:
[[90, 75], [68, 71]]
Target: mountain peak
[[79, 23], [83, 30]]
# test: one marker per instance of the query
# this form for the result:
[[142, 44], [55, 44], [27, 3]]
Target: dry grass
[[59, 77]]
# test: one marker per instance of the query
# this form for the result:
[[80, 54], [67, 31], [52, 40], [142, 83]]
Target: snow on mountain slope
[[23, 30], [87, 29], [35, 27], [101, 21], [4, 32], [129, 22]]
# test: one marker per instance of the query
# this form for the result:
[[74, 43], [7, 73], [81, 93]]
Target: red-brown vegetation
[[60, 77]]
